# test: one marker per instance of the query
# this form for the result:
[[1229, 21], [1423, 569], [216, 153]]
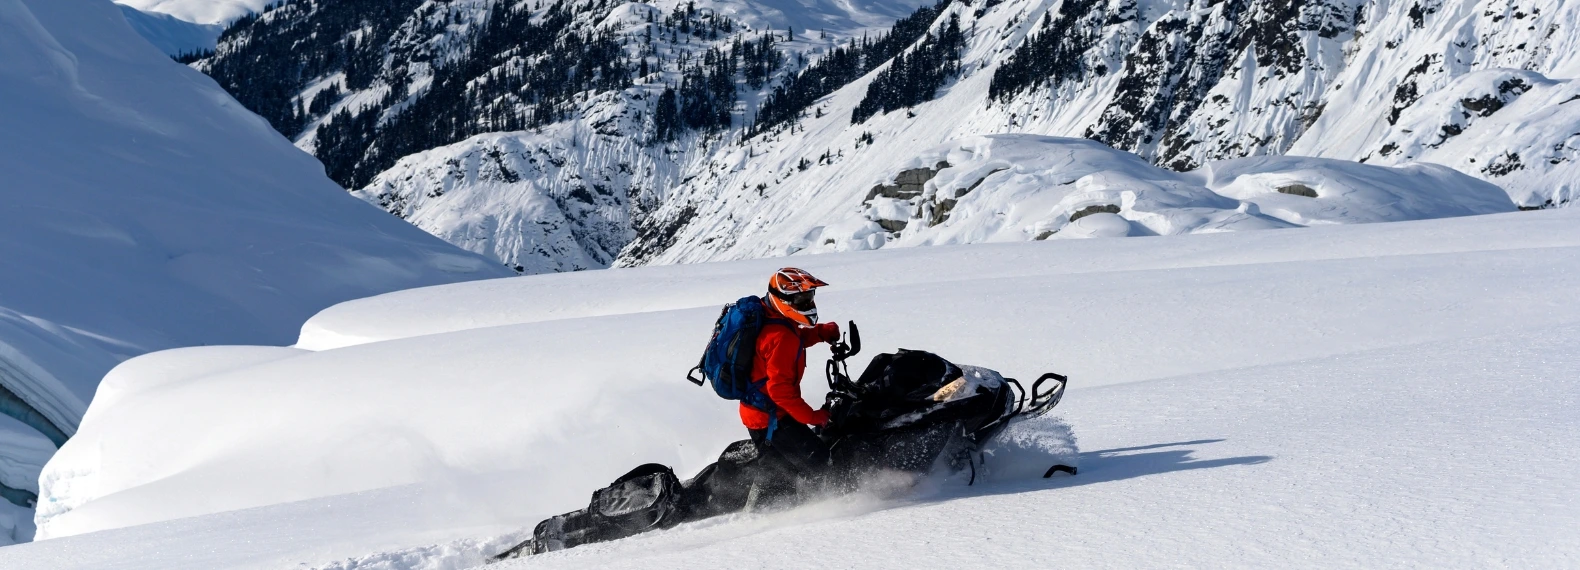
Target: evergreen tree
[[1055, 52], [666, 116], [914, 77], [840, 67]]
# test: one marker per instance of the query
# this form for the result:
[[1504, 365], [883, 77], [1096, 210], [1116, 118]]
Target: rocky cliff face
[[581, 134]]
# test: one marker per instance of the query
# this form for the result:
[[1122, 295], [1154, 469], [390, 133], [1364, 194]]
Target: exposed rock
[[907, 184], [1547, 205], [1488, 104], [892, 225], [1089, 210], [941, 211], [1298, 190], [941, 206], [979, 182], [1503, 164]]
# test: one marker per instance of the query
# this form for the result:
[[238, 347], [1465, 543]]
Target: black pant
[[795, 445]]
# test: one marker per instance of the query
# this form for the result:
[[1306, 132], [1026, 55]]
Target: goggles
[[801, 301]]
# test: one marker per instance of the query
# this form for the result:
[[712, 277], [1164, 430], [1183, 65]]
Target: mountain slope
[[201, 12], [1239, 398], [149, 211], [1103, 87], [172, 35], [762, 116]]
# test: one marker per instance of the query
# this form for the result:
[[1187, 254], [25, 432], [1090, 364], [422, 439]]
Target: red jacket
[[781, 358]]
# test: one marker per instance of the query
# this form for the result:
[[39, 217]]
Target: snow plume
[[1027, 448], [456, 555]]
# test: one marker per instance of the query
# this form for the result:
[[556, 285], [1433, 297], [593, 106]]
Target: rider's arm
[[826, 332], [781, 351]]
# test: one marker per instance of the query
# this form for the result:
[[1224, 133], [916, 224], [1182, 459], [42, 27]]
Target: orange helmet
[[790, 292]]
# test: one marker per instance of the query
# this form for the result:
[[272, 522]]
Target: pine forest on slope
[[576, 134]]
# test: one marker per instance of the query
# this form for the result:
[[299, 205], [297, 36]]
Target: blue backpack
[[727, 362]]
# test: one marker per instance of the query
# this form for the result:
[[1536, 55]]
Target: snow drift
[[999, 188], [524, 395], [147, 210]]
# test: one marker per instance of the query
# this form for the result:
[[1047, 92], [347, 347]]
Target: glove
[[820, 418], [829, 332]]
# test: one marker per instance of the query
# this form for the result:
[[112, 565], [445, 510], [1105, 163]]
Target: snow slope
[[1482, 86], [1182, 85], [147, 210], [203, 12], [170, 34], [1383, 394]]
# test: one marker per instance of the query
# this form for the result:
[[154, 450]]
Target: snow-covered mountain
[[1362, 395], [147, 210], [541, 134]]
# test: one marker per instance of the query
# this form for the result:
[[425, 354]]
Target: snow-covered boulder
[[999, 188], [1310, 191]]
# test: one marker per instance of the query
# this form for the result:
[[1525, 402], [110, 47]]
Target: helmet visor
[[801, 301]]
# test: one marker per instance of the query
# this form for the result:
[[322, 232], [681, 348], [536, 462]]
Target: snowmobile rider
[[781, 360]]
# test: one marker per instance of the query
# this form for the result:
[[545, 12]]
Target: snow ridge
[[172, 35]]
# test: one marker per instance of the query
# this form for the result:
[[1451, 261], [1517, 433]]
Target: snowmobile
[[910, 412]]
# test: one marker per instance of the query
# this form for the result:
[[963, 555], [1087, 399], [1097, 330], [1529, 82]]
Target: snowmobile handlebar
[[836, 370], [849, 345]]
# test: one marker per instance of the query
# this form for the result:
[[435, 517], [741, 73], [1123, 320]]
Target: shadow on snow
[[1117, 464]]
